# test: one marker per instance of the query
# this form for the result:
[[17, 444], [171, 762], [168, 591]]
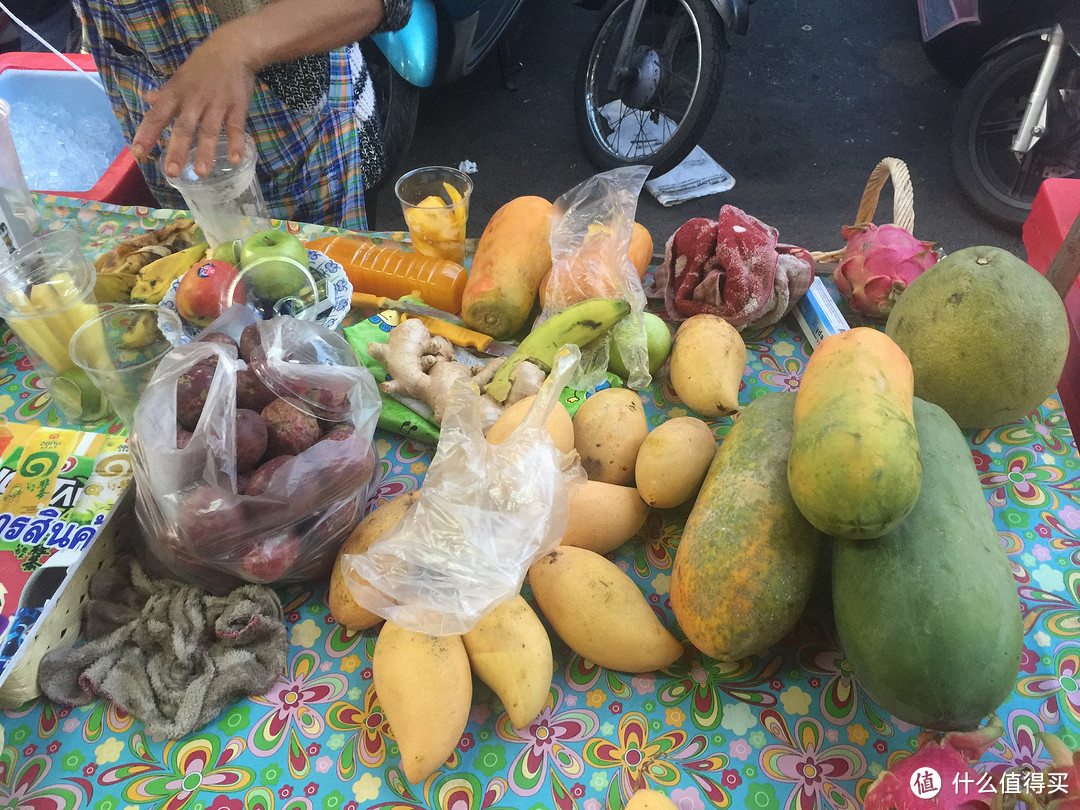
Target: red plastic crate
[[122, 183], [1056, 206]]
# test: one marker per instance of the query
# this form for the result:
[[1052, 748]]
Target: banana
[[154, 279], [579, 324], [141, 332], [114, 287]]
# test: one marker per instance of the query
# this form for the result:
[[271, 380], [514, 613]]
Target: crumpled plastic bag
[[195, 522], [733, 267], [484, 514], [591, 226]]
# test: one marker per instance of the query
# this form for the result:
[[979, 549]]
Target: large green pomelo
[[986, 334]]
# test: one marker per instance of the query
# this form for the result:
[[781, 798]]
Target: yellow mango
[[424, 686]]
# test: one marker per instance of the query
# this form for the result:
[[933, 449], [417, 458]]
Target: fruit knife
[[460, 336], [369, 300]]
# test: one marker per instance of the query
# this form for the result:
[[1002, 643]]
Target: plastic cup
[[46, 295], [227, 203], [120, 348], [274, 285], [435, 203], [18, 219]]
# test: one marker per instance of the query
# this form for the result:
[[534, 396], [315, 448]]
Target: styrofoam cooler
[[1056, 206], [44, 78]]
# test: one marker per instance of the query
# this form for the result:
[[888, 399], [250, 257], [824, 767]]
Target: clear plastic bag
[[485, 513], [195, 518], [591, 226]]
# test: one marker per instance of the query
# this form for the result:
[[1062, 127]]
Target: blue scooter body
[[413, 50]]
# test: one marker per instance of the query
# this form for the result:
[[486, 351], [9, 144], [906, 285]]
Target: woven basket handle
[[889, 168]]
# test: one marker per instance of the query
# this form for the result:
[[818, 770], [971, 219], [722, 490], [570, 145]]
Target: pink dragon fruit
[[1059, 787], [879, 263], [940, 766]]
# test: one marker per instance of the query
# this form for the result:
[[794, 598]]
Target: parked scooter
[[1018, 120], [443, 41], [649, 81]]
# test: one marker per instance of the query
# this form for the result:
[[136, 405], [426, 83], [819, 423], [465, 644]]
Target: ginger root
[[422, 366]]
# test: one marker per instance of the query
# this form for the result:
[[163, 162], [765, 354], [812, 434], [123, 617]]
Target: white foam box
[[44, 79], [818, 315]]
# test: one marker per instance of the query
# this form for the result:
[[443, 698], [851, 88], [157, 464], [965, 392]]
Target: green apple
[[281, 260], [657, 345], [229, 252]]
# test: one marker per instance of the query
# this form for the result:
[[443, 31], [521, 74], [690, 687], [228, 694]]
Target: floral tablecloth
[[790, 728]]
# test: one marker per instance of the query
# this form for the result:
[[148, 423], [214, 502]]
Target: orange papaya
[[512, 255], [855, 469], [745, 566]]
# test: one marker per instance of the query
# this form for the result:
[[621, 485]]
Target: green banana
[[155, 278], [579, 324]]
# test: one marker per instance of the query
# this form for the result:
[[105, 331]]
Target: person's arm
[[213, 88]]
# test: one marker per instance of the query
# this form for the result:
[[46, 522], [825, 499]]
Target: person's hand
[[212, 89]]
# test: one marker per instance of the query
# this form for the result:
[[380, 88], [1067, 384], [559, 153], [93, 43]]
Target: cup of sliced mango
[[435, 203], [46, 294]]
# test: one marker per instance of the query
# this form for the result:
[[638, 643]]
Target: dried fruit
[[878, 265], [207, 518], [290, 430], [250, 342], [251, 391], [269, 559], [251, 439], [260, 477], [191, 389], [219, 337], [339, 432]]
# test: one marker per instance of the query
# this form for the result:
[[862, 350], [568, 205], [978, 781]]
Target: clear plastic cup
[[46, 295], [227, 202], [18, 218], [274, 285], [120, 349], [435, 203]]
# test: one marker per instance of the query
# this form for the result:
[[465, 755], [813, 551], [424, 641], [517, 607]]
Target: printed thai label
[[31, 487]]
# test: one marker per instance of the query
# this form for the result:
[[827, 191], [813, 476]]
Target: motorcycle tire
[[397, 103], [987, 117], [611, 125]]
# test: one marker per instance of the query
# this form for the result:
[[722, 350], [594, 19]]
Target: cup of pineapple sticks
[[46, 294]]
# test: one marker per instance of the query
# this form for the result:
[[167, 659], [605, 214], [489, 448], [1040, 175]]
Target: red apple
[[200, 297]]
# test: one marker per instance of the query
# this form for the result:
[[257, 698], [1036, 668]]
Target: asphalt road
[[814, 95]]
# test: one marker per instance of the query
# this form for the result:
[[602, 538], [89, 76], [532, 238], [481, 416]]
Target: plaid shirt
[[312, 156]]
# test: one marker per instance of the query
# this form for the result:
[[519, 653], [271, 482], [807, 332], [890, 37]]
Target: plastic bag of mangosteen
[[252, 448]]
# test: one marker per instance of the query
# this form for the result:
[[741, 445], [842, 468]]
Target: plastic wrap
[[591, 226], [195, 520], [484, 514]]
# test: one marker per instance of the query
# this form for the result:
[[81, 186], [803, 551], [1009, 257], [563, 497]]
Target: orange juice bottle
[[393, 273]]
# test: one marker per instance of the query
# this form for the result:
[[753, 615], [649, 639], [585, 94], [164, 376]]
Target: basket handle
[[889, 168]]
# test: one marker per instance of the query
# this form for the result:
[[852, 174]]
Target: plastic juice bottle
[[393, 273]]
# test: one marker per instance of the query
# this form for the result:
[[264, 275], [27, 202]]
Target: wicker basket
[[889, 168], [62, 623]]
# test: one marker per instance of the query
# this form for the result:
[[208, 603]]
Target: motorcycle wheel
[[987, 117], [658, 114], [397, 103]]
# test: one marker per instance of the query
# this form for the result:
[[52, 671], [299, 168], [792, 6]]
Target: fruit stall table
[[790, 728]]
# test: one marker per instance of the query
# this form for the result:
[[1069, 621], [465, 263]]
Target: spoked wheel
[[992, 103], [659, 109]]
